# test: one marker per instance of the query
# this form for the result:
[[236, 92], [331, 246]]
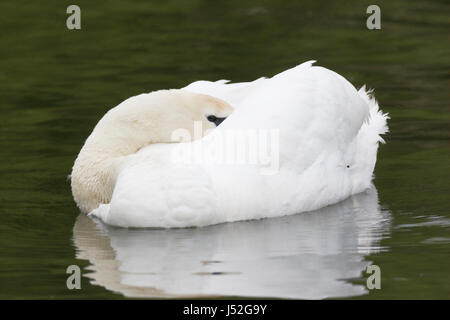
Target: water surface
[[56, 84]]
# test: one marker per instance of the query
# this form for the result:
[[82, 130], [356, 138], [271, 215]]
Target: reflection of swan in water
[[306, 255]]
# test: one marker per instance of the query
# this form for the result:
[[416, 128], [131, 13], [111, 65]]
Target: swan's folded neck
[[97, 165], [130, 126]]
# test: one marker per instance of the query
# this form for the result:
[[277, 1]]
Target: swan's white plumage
[[328, 140]]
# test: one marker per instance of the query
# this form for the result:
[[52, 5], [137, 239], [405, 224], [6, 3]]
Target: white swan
[[328, 139]]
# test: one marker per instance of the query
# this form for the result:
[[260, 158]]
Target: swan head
[[133, 124], [153, 117], [209, 110]]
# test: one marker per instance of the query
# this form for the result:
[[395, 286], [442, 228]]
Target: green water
[[57, 83]]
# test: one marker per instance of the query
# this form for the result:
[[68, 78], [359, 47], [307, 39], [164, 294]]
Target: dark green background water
[[57, 83]]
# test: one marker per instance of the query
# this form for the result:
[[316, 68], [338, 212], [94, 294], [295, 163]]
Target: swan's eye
[[215, 119]]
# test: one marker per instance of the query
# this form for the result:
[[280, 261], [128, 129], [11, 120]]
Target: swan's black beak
[[215, 120], [219, 121]]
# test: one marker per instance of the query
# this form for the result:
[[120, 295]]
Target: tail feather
[[377, 120]]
